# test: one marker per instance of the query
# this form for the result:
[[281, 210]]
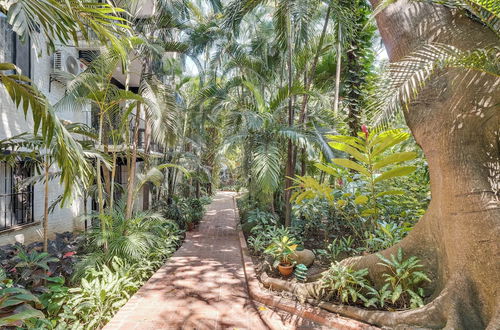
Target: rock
[[305, 257]]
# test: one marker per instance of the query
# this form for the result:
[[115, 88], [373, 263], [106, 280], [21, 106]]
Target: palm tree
[[64, 22]]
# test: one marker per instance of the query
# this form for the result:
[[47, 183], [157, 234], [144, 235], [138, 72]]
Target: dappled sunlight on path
[[203, 285]]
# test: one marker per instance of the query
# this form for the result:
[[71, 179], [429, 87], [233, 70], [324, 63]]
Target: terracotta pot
[[285, 269]]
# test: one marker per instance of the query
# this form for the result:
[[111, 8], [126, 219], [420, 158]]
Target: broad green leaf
[[395, 172], [21, 313], [390, 192], [328, 169], [368, 212], [396, 293], [350, 140], [394, 159], [352, 165], [350, 150], [387, 139], [361, 200]]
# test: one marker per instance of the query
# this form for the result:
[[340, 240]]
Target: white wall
[[13, 122]]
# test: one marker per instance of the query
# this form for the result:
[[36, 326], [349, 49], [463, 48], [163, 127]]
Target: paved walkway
[[203, 285]]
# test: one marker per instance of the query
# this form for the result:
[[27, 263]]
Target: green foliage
[[344, 284], [259, 220], [54, 296], [281, 248], [374, 163], [404, 279], [263, 236], [32, 267], [183, 210], [308, 215], [402, 81], [385, 235], [341, 246], [129, 239], [101, 293], [18, 306], [309, 188]]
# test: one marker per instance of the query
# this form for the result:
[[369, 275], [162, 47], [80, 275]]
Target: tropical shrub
[[183, 210], [18, 306], [404, 280], [263, 236], [385, 235], [373, 162], [308, 215], [31, 268], [129, 239], [101, 292], [343, 284], [281, 248], [343, 246]]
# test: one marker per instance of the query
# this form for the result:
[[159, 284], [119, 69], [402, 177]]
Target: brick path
[[203, 285]]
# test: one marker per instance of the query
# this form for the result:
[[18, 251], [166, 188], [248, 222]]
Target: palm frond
[[404, 80]]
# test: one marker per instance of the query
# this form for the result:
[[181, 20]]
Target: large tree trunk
[[456, 121]]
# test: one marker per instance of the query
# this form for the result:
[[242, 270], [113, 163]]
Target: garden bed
[[80, 282], [286, 301]]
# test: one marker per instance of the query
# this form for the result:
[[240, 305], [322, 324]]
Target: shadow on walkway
[[203, 285]]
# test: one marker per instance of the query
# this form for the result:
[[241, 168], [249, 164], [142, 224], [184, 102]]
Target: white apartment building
[[21, 210]]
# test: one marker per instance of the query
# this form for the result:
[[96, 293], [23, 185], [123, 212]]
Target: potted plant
[[281, 249]]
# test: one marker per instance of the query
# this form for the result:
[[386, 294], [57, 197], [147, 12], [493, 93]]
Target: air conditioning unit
[[64, 62]]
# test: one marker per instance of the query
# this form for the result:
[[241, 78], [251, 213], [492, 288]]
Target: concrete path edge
[[306, 311]]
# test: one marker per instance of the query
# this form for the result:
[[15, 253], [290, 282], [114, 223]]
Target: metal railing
[[16, 209]]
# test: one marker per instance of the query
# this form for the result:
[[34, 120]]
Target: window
[[16, 203], [13, 49]]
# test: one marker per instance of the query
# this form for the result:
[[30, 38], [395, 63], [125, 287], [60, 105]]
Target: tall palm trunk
[[133, 163], [100, 197], [339, 67], [46, 205], [147, 149], [112, 188], [290, 165], [308, 79]]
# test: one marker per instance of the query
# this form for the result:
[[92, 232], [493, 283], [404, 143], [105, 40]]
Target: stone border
[[306, 311]]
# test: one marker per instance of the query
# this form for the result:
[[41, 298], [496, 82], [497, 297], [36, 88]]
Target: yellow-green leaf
[[368, 212], [328, 169], [341, 203], [398, 171], [387, 139], [352, 165], [395, 158], [350, 140], [350, 150], [391, 192], [361, 200]]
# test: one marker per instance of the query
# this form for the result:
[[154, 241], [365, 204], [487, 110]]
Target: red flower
[[13, 270], [340, 182], [69, 254], [364, 129], [49, 273]]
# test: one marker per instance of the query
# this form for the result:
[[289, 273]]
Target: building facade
[[21, 209]]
